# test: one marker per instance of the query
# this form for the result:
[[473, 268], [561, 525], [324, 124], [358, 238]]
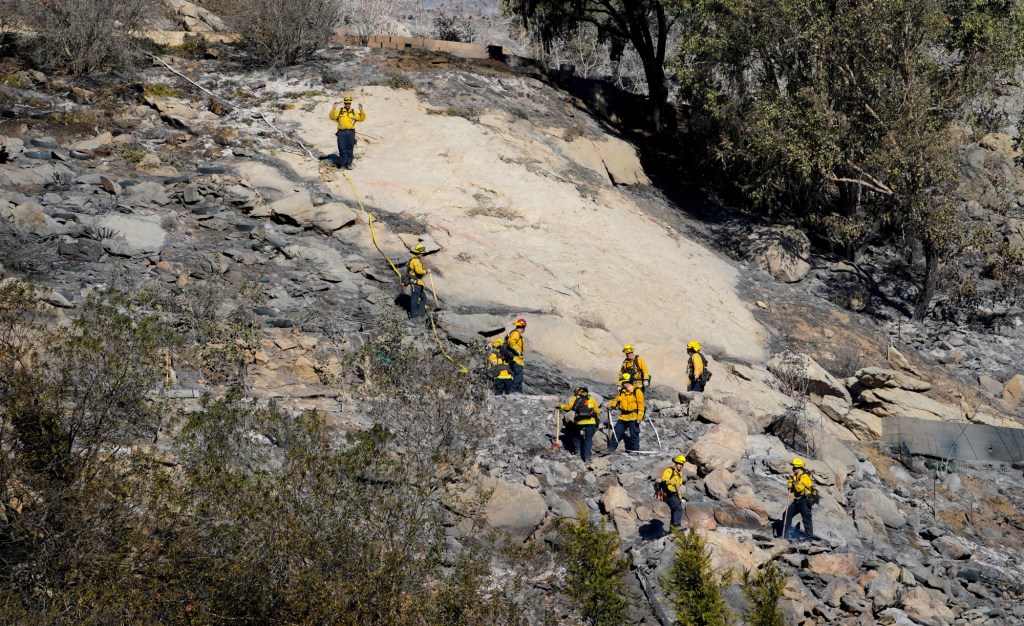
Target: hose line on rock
[[373, 235]]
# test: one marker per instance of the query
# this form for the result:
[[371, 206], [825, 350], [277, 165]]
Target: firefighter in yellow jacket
[[801, 486], [346, 116], [697, 373], [672, 481], [635, 367], [414, 276], [500, 370], [518, 346], [587, 415], [630, 403]]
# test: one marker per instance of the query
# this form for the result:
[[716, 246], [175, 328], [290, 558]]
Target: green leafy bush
[[693, 588], [763, 590], [594, 570]]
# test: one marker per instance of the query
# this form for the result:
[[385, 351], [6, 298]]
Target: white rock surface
[[486, 187]]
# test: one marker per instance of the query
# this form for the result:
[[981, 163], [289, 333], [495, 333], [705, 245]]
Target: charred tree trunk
[[930, 283]]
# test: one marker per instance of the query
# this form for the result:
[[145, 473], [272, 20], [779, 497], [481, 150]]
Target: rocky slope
[[529, 207]]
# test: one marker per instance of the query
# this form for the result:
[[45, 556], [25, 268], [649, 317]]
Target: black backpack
[[705, 374], [506, 352]]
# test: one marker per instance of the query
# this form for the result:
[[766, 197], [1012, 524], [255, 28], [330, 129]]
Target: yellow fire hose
[[373, 235]]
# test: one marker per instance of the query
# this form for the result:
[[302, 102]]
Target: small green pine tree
[[594, 570], [693, 588], [763, 590]]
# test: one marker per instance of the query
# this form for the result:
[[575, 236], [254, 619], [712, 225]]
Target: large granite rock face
[[428, 182]]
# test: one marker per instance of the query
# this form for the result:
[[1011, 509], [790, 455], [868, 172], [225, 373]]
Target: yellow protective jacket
[[695, 366], [673, 479], [630, 403], [515, 341], [416, 272], [577, 404], [347, 118], [636, 368], [801, 486], [499, 367]]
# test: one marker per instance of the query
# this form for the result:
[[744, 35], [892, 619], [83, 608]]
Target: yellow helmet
[[628, 348], [679, 459], [626, 378], [798, 463], [419, 249], [348, 100], [693, 345], [497, 343]]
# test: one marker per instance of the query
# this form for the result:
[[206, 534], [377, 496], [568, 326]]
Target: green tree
[[691, 584], [642, 24], [848, 116], [763, 590], [594, 570]]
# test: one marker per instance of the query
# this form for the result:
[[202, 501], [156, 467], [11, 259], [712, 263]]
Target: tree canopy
[[642, 24], [848, 115]]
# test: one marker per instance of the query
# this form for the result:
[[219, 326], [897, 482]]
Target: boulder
[[324, 256], [991, 385], [783, 252], [29, 217], [732, 516], [612, 157], [178, 113], [884, 587], [746, 498], [721, 447], [616, 498], [326, 217], [842, 564], [718, 413], [888, 402], [952, 548], [927, 606], [833, 523], [834, 408], [803, 372], [866, 426], [718, 483], [147, 193], [626, 523], [98, 141], [1013, 390], [732, 550], [141, 233], [874, 500], [838, 457], [877, 377], [700, 515], [514, 509]]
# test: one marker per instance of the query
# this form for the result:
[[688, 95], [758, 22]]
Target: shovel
[[558, 430]]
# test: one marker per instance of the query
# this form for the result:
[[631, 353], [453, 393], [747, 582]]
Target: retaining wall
[[959, 441]]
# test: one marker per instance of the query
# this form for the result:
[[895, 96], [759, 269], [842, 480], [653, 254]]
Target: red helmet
[[521, 322]]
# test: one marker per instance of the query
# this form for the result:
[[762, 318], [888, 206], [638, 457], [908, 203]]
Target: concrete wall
[[961, 441], [455, 48]]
